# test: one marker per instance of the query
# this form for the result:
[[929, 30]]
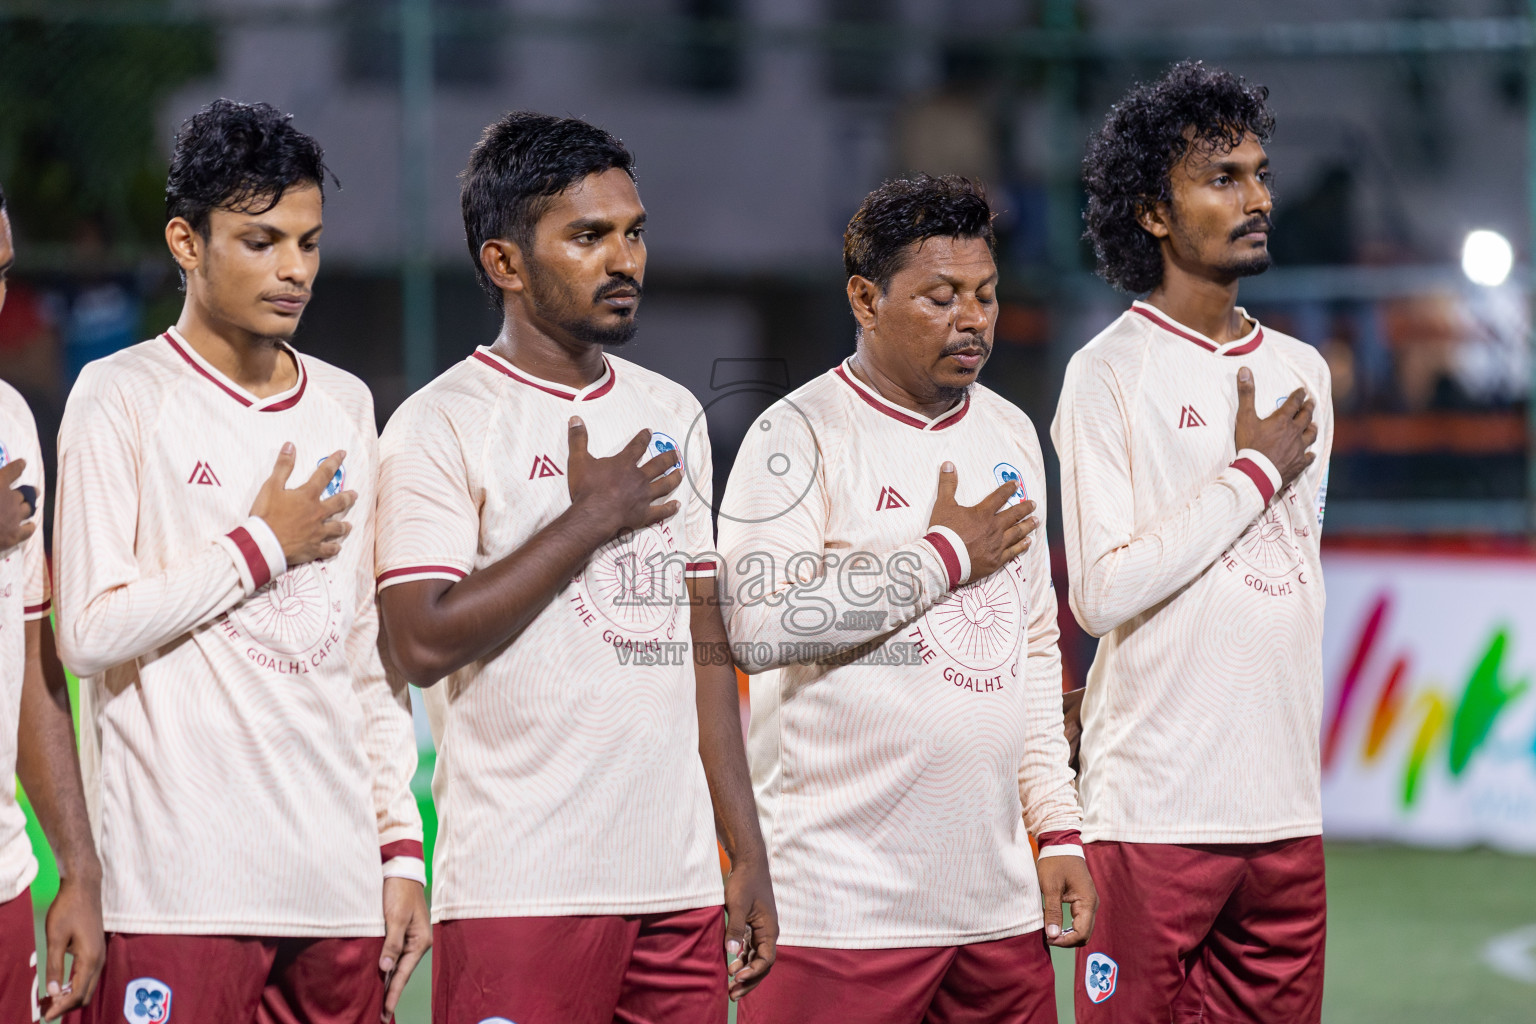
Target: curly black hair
[[240, 157], [1145, 135], [522, 161], [909, 210]]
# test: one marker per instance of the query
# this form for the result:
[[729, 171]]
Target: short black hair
[[909, 210], [522, 161], [240, 157], [1129, 158]]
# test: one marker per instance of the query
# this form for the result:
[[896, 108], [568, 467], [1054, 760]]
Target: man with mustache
[[545, 566], [248, 763], [890, 597], [1194, 450]]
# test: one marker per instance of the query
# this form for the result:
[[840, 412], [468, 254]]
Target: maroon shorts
[[644, 969], [238, 980], [1221, 934], [18, 960], [1008, 981]]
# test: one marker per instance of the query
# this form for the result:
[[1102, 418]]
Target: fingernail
[[1243, 375], [288, 448], [948, 467], [733, 948], [386, 964], [576, 421], [53, 988], [1053, 931]]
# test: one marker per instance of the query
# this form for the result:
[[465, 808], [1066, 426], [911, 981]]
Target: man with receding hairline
[[892, 599]]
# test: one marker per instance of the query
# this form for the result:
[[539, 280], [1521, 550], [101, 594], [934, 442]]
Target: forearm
[[1136, 572], [854, 598], [99, 628], [46, 760], [720, 742], [435, 630]]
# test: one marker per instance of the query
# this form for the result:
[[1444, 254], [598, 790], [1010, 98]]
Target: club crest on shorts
[[661, 444], [1099, 977], [338, 481], [147, 1001], [1005, 472]]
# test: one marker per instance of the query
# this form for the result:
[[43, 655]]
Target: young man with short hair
[[37, 742], [545, 566], [1194, 450], [906, 698], [249, 762]]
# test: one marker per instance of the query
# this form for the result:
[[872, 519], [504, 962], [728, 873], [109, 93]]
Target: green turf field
[[1408, 940]]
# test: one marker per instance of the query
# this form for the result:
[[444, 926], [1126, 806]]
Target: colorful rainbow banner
[[1429, 716]]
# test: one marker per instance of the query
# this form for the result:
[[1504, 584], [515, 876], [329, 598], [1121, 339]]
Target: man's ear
[[864, 299], [1153, 218], [185, 243], [503, 264]]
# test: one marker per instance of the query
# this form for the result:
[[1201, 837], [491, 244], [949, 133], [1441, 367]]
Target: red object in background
[[23, 318]]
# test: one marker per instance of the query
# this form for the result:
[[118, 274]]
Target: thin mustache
[[618, 284], [1257, 224]]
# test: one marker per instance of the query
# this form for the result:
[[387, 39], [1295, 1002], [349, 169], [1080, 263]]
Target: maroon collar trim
[[272, 403], [597, 389], [878, 402], [1238, 347]]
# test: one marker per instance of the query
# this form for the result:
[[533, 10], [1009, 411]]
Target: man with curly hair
[[1191, 522], [247, 761], [895, 609]]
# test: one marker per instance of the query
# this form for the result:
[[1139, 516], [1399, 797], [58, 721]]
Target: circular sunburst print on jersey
[[635, 582], [979, 624], [290, 614], [1268, 547]]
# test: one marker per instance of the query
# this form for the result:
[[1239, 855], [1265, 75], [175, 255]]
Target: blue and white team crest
[[1005, 472], [338, 481], [1099, 977], [661, 444], [148, 1001], [5, 456]]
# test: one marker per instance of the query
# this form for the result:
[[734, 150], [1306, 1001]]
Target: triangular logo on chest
[[889, 498], [544, 466]]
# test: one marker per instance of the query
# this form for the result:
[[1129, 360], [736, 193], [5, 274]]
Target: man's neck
[[888, 388], [258, 364], [534, 350], [1207, 305]]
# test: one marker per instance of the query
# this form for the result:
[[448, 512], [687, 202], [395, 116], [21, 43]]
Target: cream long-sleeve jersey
[[1201, 575], [906, 730], [247, 763], [23, 598]]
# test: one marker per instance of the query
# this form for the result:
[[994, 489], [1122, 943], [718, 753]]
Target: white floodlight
[[1487, 258]]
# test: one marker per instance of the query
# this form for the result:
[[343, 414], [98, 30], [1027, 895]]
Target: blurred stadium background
[[1405, 176]]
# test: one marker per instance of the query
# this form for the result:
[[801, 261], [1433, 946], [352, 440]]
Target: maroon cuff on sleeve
[[400, 848], [1066, 837], [1258, 476], [261, 573], [946, 552]]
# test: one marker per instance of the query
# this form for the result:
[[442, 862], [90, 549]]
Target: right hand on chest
[[993, 535], [619, 491], [307, 524]]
